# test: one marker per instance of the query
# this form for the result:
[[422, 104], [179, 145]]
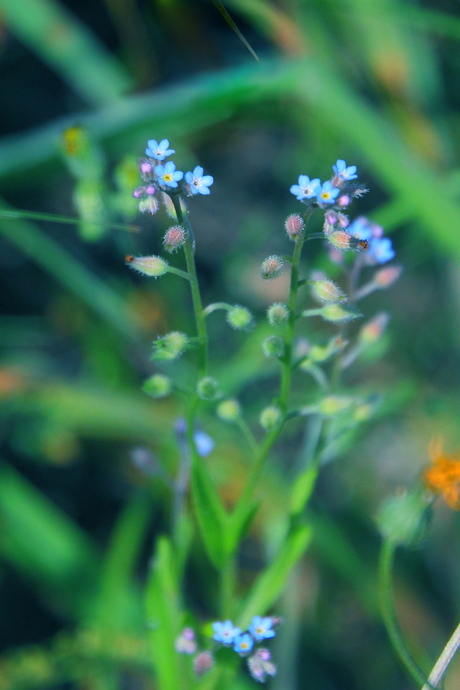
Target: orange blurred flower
[[444, 475]]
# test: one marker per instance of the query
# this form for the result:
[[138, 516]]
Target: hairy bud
[[153, 266], [294, 227], [272, 267]]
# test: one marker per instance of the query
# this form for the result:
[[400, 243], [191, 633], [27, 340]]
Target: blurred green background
[[372, 82]]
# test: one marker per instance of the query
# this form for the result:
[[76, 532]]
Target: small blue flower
[[381, 250], [204, 443], [361, 228], [243, 644], [261, 628], [157, 150], [199, 183], [327, 193], [306, 189], [341, 170], [225, 632], [168, 175]]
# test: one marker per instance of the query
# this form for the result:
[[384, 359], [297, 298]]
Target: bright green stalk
[[389, 614]]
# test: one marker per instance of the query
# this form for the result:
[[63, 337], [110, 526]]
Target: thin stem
[[227, 588], [389, 613], [194, 287], [216, 306], [444, 660], [52, 218], [288, 347], [244, 428]]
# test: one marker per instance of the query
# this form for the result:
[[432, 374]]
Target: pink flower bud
[[387, 276], [343, 201], [203, 663], [174, 238], [272, 267], [374, 329], [150, 190], [146, 168], [140, 191], [294, 226]]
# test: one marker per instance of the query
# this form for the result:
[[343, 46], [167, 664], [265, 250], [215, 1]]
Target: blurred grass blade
[[98, 296], [210, 513], [164, 618], [220, 6], [68, 47], [44, 545], [119, 602], [271, 582]]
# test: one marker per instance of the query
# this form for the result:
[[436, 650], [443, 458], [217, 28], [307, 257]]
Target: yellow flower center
[[167, 177]]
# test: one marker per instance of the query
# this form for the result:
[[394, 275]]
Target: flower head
[[243, 644], [306, 188], [344, 173], [326, 193], [261, 628], [381, 250], [225, 632], [199, 183], [159, 151], [443, 477], [168, 175]]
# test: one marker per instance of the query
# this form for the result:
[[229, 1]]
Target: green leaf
[[239, 522], [271, 582], [302, 489], [164, 617], [210, 513], [45, 546]]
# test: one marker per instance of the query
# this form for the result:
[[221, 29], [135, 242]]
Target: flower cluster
[[261, 628], [163, 177], [333, 196]]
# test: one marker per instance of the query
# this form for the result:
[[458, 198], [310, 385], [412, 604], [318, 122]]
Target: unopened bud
[[146, 168], [405, 519], [272, 267], [343, 201], [186, 643], [260, 666], [277, 314], [340, 239], [334, 312], [139, 192], [270, 417], [327, 291], [335, 404], [203, 663], [387, 276], [148, 204], [207, 388], [157, 386], [174, 238], [294, 227], [344, 221], [170, 346], [273, 346], [363, 412], [229, 410], [239, 317], [374, 329], [153, 266]]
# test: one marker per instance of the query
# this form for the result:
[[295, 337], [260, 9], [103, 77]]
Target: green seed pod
[[272, 267], [157, 386], [277, 314], [336, 313], [207, 388], [273, 346], [327, 291], [239, 317], [229, 410], [405, 519], [153, 266], [270, 417]]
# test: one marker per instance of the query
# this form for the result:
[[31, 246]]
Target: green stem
[[52, 218], [194, 287], [227, 588], [389, 613], [292, 303]]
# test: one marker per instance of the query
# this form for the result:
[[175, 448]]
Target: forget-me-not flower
[[345, 174], [306, 189], [243, 644], [381, 249], [261, 628], [199, 183], [160, 151], [204, 443], [225, 632], [327, 193], [168, 175]]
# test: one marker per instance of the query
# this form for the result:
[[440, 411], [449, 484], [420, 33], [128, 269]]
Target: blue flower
[[157, 150], [341, 170], [381, 250], [168, 175], [327, 193], [361, 228], [225, 632], [199, 184], [261, 628], [243, 644], [306, 189], [204, 443]]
